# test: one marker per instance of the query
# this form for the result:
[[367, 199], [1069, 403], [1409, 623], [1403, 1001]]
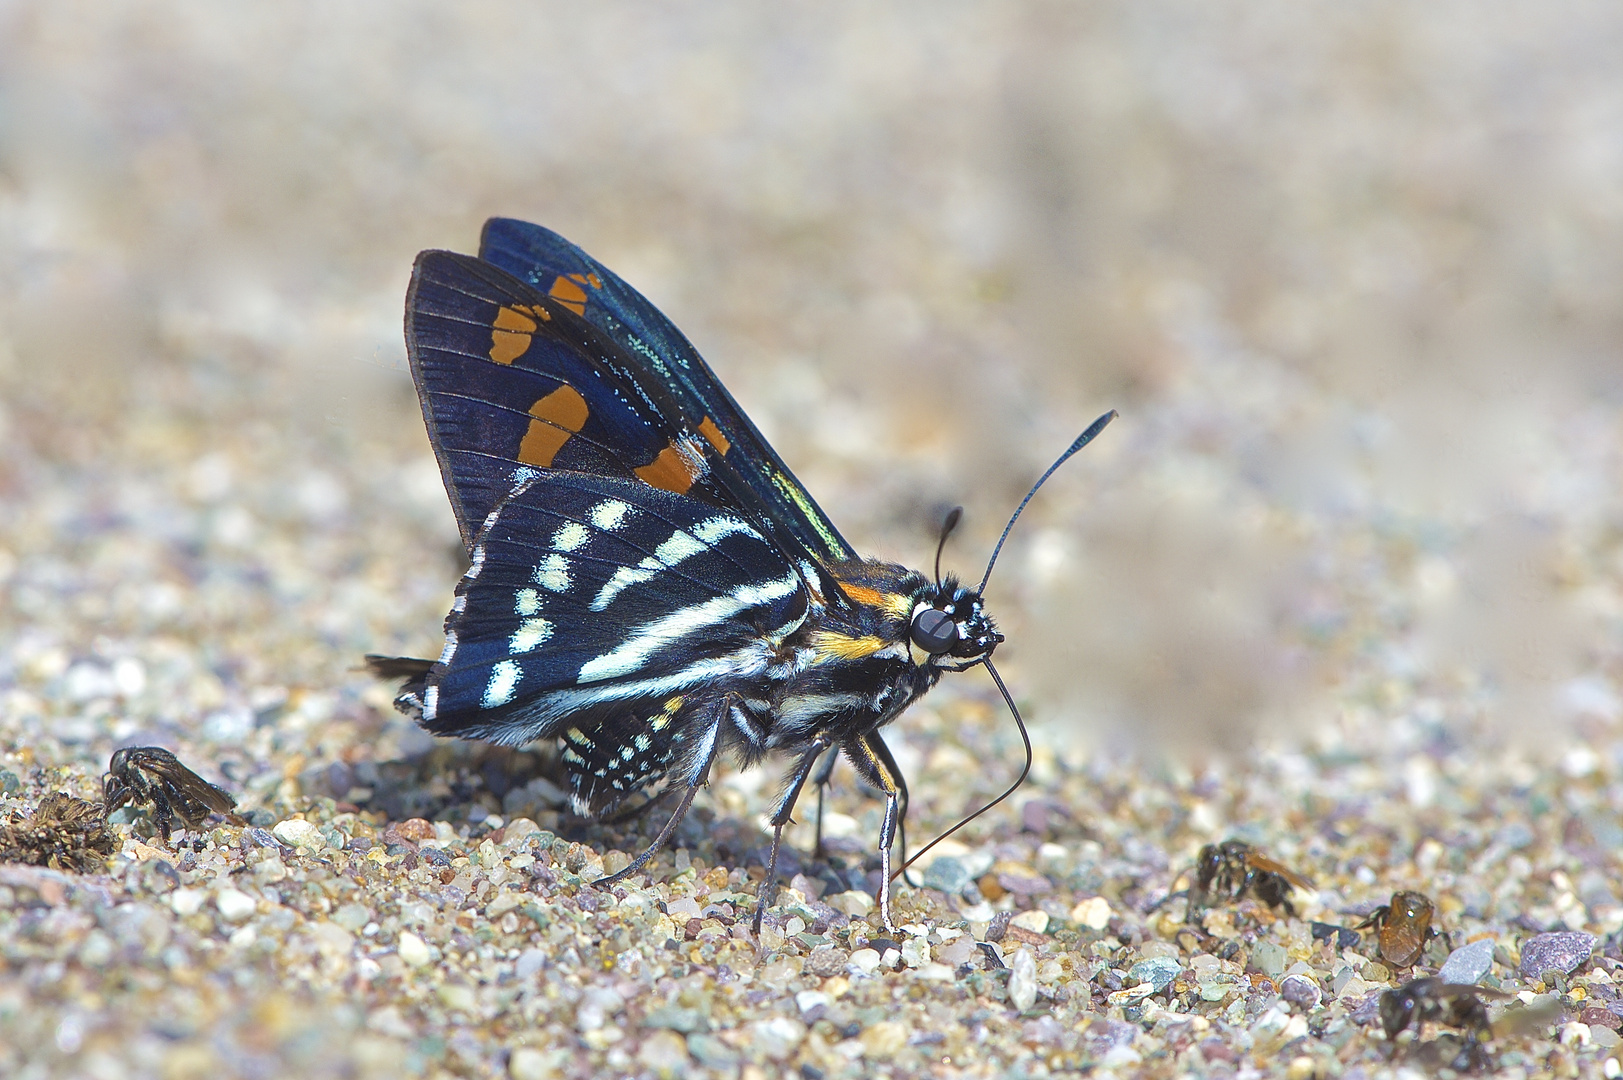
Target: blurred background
[[1351, 273]]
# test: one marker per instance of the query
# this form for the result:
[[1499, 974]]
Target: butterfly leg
[[871, 757], [824, 771], [697, 778], [780, 818], [883, 751]]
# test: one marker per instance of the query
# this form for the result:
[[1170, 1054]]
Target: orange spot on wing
[[567, 290], [708, 428], [553, 419], [670, 471], [510, 331]]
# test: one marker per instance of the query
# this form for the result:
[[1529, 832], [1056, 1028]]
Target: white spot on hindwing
[[552, 572], [531, 634], [570, 535], [526, 602], [503, 681], [609, 514]]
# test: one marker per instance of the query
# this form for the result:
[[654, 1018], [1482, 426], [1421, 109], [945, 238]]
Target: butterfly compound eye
[[934, 631]]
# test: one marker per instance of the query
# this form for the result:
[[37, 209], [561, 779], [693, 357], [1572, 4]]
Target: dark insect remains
[[1232, 869], [1401, 927], [1456, 1005], [648, 582], [151, 774], [62, 832]]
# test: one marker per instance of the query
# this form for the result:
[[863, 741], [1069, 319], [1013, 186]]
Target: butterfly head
[[949, 623]]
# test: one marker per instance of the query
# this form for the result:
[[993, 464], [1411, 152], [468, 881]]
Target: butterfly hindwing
[[555, 266], [512, 380], [596, 599]]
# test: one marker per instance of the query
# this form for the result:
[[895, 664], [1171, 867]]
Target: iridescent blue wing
[[757, 475], [605, 610], [514, 382]]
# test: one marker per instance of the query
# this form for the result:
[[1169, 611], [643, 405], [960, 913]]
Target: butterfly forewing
[[555, 266], [513, 381], [595, 597]]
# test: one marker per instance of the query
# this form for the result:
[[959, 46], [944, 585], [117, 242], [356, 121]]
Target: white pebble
[[865, 961], [854, 903], [412, 949], [301, 834], [1093, 913], [234, 904], [1035, 921], [1022, 980], [187, 901]]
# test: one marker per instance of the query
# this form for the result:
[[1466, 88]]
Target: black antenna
[[1025, 772], [986, 661], [953, 517], [1081, 441]]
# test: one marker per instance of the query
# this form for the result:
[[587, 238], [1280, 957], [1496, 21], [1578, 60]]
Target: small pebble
[[777, 1038], [1301, 991], [1035, 921], [856, 904], [234, 904], [301, 834], [1022, 980], [1269, 959], [1468, 963], [528, 1063], [1093, 913], [1158, 972], [883, 1040], [865, 961], [947, 874], [412, 950], [665, 1052], [1563, 951]]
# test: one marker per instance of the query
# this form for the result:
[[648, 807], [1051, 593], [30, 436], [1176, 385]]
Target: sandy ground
[[1345, 580]]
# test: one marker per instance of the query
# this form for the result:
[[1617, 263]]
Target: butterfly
[[648, 583]]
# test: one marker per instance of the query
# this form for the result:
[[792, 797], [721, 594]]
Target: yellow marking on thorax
[[831, 645], [893, 604], [708, 428], [553, 419], [511, 330]]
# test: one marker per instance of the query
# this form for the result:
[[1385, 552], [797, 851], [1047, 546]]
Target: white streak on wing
[[431, 702], [570, 535], [713, 529], [552, 572], [653, 636], [609, 514], [623, 579], [531, 634], [503, 681], [678, 546]]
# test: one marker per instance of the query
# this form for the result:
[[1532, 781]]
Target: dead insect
[[62, 832], [1457, 1005], [1234, 868], [1401, 927], [151, 774]]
